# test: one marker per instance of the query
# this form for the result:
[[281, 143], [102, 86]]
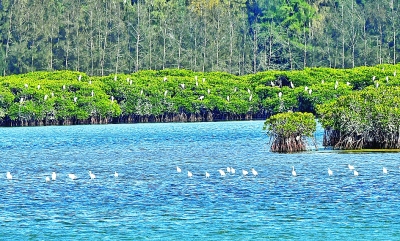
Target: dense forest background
[[101, 37]]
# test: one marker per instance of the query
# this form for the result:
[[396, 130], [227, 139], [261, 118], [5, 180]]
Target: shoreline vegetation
[[357, 107]]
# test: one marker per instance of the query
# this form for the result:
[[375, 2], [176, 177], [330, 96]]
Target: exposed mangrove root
[[288, 145]]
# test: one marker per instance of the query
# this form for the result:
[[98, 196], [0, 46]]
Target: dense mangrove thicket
[[366, 119], [288, 131], [66, 97]]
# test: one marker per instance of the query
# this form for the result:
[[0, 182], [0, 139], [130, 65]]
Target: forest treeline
[[103, 37]]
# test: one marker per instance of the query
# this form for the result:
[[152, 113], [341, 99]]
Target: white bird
[[377, 84], [228, 169], [207, 175], [251, 97], [53, 176], [293, 172], [115, 78], [45, 97], [63, 87], [72, 176], [280, 95], [190, 174], [272, 84], [394, 73], [26, 85], [291, 85], [208, 91], [52, 94], [330, 172], [80, 77], [336, 85], [204, 80], [305, 88], [90, 82], [387, 79], [348, 83], [222, 172], [201, 97], [165, 93], [233, 170], [351, 167], [92, 176], [322, 81], [112, 98], [385, 171], [165, 79], [197, 83], [141, 92], [355, 173], [115, 174], [75, 99], [9, 176], [245, 172], [183, 86], [178, 169], [92, 93], [21, 100], [47, 179], [248, 90], [235, 89], [373, 78], [227, 98], [38, 87], [255, 173], [310, 91]]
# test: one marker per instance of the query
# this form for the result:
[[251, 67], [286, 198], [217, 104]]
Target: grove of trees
[[103, 37]]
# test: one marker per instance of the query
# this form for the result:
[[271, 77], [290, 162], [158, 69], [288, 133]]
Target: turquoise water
[[151, 201]]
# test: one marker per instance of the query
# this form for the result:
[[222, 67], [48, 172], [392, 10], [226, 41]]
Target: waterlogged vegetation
[[289, 131], [357, 107]]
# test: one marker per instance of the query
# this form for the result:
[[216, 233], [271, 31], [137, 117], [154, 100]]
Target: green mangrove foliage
[[67, 97], [288, 131], [366, 119]]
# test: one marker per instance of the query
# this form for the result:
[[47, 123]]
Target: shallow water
[[151, 201]]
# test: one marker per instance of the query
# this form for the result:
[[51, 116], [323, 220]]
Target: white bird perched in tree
[[280, 95], [178, 169], [165, 79], [208, 91], [305, 88], [293, 172], [394, 73], [75, 99], [183, 86], [355, 173], [385, 171], [52, 94], [348, 83], [90, 82], [322, 81], [204, 80], [272, 84], [8, 175], [92, 176], [45, 97], [197, 83], [221, 172], [336, 85], [376, 84], [141, 92], [53, 176], [244, 172], [130, 82], [373, 78], [190, 174], [92, 93], [387, 79], [26, 85], [115, 78], [330, 172], [235, 89], [63, 87], [227, 98], [291, 85], [165, 93], [310, 91], [47, 179], [127, 80], [255, 173], [112, 98], [250, 97], [248, 90], [72, 176], [38, 87], [79, 77], [21, 100], [207, 175], [201, 97]]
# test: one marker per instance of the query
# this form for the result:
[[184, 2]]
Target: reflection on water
[[149, 200]]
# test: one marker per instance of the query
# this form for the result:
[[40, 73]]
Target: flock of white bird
[[54, 176], [222, 173], [255, 173]]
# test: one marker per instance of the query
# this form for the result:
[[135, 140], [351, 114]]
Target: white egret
[[47, 179], [348, 83], [72, 176], [280, 95], [9, 176], [394, 73], [305, 88], [92, 93], [115, 174], [92, 176], [178, 169], [207, 175], [385, 171], [373, 78], [190, 174], [79, 77], [355, 173], [90, 82], [26, 85], [248, 90], [310, 91], [330, 172], [45, 97], [53, 176], [387, 79], [228, 169], [112, 99], [376, 84], [291, 85], [201, 97], [208, 91], [183, 86], [255, 173], [115, 78], [38, 87], [272, 84], [197, 83], [165, 93], [227, 98], [165, 79], [251, 97], [233, 170], [351, 167], [75, 99], [245, 172], [222, 172], [204, 80], [293, 172]]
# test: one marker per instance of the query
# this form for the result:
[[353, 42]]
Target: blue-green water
[[151, 201]]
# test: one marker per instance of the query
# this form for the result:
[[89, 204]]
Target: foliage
[[288, 131]]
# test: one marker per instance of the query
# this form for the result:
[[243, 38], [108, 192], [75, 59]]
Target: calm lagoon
[[151, 201]]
